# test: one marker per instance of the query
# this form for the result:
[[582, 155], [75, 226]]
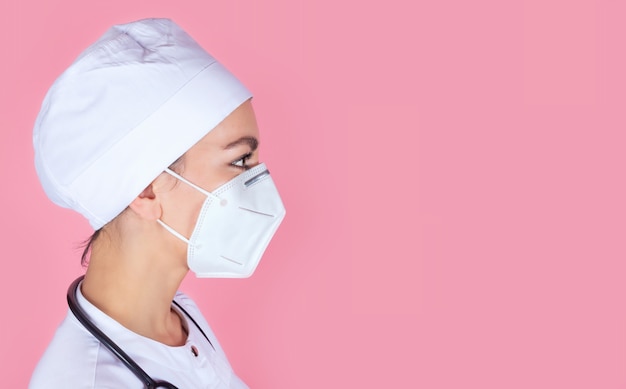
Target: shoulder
[[68, 360], [73, 359]]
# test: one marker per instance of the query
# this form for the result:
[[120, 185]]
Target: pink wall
[[453, 172]]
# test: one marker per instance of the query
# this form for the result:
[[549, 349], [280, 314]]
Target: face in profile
[[229, 149]]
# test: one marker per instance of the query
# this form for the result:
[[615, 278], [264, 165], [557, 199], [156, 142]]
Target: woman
[[156, 144]]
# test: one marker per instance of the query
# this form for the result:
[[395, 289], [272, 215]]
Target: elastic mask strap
[[173, 231], [196, 187]]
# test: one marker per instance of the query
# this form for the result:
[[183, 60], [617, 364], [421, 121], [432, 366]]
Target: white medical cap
[[127, 108]]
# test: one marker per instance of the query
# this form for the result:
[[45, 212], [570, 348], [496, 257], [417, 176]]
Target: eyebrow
[[251, 141]]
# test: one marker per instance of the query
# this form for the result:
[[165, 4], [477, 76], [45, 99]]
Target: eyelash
[[241, 162]]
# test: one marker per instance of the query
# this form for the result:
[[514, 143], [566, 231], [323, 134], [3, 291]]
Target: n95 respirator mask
[[234, 226]]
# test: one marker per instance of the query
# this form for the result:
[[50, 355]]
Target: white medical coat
[[76, 359]]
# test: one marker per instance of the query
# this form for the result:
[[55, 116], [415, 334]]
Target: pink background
[[453, 173]]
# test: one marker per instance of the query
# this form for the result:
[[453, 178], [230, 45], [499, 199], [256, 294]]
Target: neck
[[136, 287]]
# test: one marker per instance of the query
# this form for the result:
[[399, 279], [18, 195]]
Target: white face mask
[[235, 225]]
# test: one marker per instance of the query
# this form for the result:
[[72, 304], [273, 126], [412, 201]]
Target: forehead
[[241, 123]]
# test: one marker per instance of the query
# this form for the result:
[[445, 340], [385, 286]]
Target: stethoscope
[[114, 348]]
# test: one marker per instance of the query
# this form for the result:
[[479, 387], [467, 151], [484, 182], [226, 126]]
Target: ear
[[146, 205]]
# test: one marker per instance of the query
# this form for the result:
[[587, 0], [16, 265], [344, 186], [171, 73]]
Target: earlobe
[[146, 205]]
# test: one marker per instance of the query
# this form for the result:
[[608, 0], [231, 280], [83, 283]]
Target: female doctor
[[156, 144]]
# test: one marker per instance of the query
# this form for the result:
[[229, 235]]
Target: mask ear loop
[[196, 187]]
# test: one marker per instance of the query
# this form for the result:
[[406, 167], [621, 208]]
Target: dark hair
[[88, 243]]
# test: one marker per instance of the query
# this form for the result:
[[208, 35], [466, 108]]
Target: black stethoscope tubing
[[81, 316]]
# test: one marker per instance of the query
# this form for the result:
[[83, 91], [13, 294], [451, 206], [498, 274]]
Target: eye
[[241, 162]]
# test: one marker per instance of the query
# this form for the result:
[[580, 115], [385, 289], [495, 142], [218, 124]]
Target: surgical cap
[[128, 107]]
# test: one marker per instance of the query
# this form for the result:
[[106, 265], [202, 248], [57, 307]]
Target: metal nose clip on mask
[[235, 225]]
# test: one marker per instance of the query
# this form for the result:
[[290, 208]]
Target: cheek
[[181, 210], [189, 212], [193, 213]]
